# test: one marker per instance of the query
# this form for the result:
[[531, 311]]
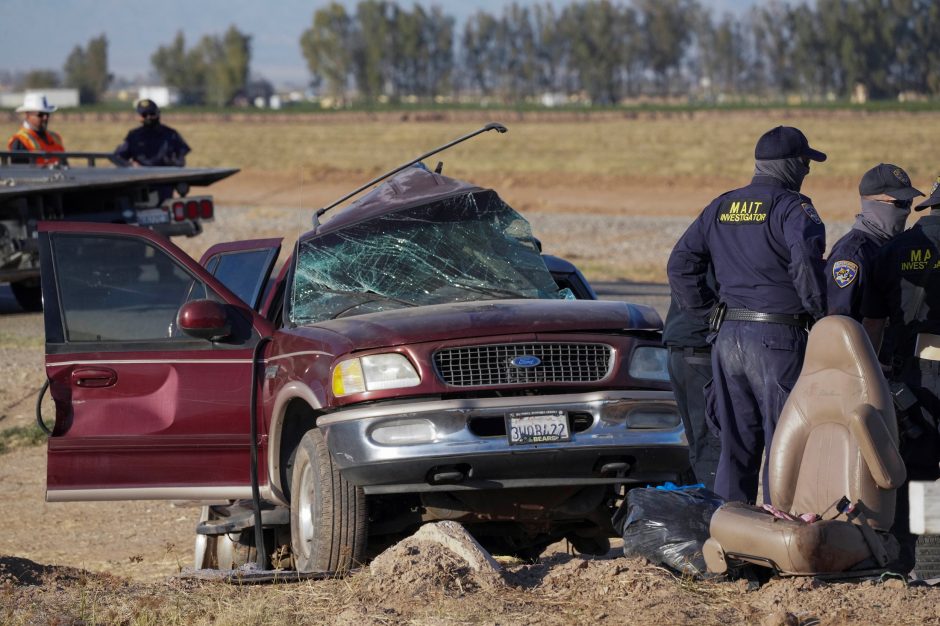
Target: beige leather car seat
[[836, 438]]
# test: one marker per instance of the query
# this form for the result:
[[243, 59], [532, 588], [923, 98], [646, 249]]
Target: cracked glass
[[469, 247]]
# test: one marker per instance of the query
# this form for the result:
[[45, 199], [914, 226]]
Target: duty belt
[[801, 320]]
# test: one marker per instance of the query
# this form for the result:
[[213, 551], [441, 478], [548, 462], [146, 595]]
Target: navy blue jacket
[[684, 330], [909, 260], [766, 245], [154, 145], [849, 272]]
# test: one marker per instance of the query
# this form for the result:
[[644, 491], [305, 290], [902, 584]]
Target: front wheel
[[327, 513]]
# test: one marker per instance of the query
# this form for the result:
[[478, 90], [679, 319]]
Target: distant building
[[859, 94], [62, 98], [163, 96]]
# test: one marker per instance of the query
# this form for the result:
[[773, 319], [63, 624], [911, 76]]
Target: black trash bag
[[668, 525]]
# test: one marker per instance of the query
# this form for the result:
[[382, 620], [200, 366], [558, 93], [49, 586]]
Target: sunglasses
[[39, 114], [903, 204]]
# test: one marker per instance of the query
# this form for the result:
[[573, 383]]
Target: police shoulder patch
[[810, 210], [844, 273]]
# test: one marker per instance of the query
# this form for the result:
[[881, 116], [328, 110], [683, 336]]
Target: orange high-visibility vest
[[35, 143]]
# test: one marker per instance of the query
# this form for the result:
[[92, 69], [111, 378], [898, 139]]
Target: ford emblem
[[526, 360]]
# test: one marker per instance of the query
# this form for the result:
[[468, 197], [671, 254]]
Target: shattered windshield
[[469, 247]]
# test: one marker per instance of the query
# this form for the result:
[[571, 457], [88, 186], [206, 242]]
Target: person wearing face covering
[[765, 243], [153, 143], [886, 195], [902, 308]]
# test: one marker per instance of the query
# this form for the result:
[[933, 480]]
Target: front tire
[[327, 513]]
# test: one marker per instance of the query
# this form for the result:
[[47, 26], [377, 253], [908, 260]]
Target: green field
[[656, 146]]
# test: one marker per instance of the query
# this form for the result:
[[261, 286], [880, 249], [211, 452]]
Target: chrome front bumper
[[606, 452]]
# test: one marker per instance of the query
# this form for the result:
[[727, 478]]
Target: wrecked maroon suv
[[414, 360]]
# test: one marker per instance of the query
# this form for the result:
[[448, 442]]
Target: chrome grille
[[474, 366]]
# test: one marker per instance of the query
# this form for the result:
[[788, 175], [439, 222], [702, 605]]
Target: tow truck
[[90, 187]]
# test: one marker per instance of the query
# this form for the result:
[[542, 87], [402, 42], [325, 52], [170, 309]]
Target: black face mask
[[151, 121], [790, 172], [883, 220]]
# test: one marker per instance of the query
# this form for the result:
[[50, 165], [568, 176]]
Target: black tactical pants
[[690, 369], [921, 453]]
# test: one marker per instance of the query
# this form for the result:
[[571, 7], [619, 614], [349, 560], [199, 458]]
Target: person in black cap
[[886, 195], [903, 309], [765, 243], [153, 144]]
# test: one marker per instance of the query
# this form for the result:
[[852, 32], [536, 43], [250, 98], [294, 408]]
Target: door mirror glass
[[204, 319]]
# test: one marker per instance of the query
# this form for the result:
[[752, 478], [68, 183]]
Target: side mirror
[[204, 319]]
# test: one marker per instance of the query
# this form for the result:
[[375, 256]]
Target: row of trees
[[214, 71], [86, 69], [615, 49], [384, 50], [605, 50]]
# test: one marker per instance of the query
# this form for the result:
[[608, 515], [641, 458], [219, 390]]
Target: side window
[[573, 282], [119, 288], [241, 272]]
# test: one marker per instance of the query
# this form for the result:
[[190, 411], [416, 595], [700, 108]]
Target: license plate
[[149, 217], [537, 427]]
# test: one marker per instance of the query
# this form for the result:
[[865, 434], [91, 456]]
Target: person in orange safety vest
[[34, 136]]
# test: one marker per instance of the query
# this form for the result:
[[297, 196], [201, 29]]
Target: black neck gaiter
[[790, 172], [881, 219]]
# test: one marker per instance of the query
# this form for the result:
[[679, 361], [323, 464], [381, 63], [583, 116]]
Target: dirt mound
[[23, 572], [439, 558], [417, 569]]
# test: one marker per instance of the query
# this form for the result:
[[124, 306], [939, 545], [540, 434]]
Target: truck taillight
[[193, 209], [205, 209]]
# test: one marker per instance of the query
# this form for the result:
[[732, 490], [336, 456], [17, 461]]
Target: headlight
[[649, 363], [372, 373]]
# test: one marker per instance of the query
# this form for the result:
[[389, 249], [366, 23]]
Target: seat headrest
[[839, 342]]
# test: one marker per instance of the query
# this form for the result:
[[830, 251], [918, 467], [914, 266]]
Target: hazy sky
[[39, 34]]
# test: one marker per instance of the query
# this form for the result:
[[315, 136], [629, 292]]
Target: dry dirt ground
[[72, 563]]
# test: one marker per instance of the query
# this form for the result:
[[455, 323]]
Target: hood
[[491, 318]]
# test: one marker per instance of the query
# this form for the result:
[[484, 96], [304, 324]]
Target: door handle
[[94, 377]]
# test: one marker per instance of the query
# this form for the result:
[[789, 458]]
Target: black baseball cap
[[890, 180], [785, 142], [147, 107], [934, 198]]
